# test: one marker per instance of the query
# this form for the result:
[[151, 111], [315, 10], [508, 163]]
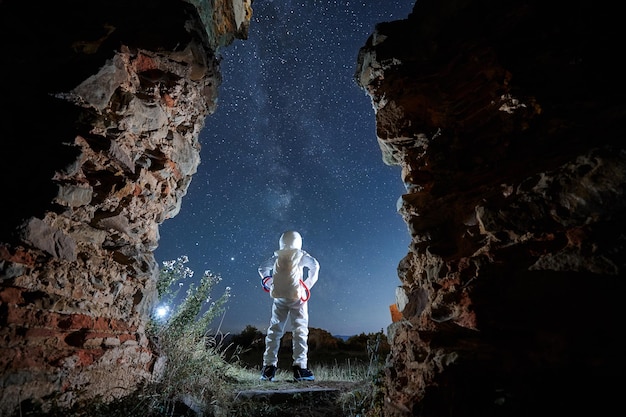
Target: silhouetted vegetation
[[246, 348]]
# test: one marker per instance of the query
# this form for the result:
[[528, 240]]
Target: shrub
[[190, 367]]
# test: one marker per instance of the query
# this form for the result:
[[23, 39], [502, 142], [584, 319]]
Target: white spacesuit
[[282, 276]]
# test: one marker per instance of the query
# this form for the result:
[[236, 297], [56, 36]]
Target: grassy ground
[[346, 391], [341, 389]]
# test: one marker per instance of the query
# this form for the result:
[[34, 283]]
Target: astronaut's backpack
[[287, 280]]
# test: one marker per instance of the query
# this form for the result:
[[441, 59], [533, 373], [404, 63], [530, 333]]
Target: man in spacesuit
[[282, 276]]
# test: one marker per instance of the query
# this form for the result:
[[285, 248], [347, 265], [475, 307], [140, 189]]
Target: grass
[[354, 389], [351, 371]]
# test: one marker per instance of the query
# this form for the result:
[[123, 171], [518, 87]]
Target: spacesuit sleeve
[[265, 269], [314, 267]]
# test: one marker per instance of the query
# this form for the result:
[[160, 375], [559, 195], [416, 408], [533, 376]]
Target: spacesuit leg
[[300, 327], [275, 332]]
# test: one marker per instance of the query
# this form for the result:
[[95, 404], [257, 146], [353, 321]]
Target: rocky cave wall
[[103, 105], [507, 118]]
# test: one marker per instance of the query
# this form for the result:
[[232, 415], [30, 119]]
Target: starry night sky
[[292, 146]]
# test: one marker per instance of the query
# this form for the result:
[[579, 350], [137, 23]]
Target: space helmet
[[290, 240]]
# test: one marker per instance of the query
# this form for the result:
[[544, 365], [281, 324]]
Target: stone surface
[[104, 102], [507, 120]]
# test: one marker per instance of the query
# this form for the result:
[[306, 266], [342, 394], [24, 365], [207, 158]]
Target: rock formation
[[507, 119], [505, 116], [103, 105]]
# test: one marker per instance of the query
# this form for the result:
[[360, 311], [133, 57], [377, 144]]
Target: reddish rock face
[[507, 121], [104, 101]]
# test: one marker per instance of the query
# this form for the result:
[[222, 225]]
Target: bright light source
[[162, 312]]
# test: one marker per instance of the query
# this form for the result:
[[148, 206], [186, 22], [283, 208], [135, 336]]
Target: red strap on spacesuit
[[264, 283], [306, 291]]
